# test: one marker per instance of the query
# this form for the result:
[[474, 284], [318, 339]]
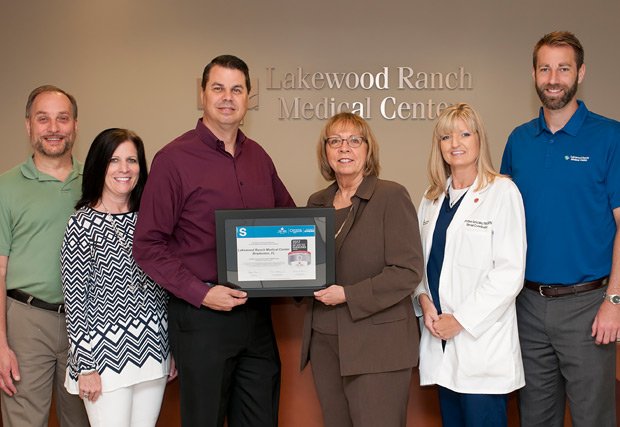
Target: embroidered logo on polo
[[577, 158]]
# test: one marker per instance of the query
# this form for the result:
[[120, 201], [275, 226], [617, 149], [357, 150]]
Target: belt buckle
[[541, 287]]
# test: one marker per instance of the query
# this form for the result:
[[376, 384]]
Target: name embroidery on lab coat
[[478, 224]]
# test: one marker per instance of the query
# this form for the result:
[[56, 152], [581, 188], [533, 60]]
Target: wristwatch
[[613, 298]]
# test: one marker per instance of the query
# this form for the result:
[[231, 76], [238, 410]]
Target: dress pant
[[228, 364], [562, 361], [39, 339], [366, 400]]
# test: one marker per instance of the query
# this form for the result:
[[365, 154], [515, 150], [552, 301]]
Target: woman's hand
[[333, 295], [172, 373], [430, 314], [447, 326], [89, 385]]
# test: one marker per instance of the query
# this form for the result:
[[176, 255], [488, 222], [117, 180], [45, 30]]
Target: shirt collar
[[209, 138], [574, 124], [30, 171]]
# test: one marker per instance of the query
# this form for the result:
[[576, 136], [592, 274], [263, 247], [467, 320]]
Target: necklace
[[456, 194], [134, 284], [344, 222], [119, 235]]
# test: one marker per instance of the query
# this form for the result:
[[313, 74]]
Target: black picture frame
[[323, 256]]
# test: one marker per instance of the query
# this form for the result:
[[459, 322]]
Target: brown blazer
[[379, 263]]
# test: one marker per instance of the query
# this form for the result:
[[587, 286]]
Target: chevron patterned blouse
[[117, 318]]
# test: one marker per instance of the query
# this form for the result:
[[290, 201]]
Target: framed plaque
[[275, 252]]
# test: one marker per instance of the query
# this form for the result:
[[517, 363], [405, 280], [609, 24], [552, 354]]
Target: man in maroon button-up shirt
[[223, 344]]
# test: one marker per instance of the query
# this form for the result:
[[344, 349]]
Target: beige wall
[[135, 63]]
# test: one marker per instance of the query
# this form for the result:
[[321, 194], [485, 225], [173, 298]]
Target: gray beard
[[40, 148]]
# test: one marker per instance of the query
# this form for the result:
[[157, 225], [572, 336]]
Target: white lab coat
[[482, 274]]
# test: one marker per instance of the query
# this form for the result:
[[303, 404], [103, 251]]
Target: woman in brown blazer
[[361, 334]]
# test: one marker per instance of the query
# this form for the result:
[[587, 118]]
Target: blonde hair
[[345, 119], [438, 169]]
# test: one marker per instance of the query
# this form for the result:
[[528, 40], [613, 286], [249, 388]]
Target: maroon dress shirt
[[190, 178]]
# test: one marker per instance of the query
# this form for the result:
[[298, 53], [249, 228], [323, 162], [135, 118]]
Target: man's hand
[[606, 326], [9, 370], [223, 298], [333, 295]]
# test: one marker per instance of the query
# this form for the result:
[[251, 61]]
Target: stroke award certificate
[[272, 252], [275, 252]]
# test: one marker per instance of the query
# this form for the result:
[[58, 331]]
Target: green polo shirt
[[34, 210]]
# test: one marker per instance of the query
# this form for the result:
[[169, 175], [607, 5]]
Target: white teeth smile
[[345, 160], [122, 179]]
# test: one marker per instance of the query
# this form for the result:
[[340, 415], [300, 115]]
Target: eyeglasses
[[354, 141]]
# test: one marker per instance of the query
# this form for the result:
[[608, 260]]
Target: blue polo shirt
[[570, 183]]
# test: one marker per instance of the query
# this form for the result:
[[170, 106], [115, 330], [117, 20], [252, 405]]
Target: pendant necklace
[[134, 285], [344, 222]]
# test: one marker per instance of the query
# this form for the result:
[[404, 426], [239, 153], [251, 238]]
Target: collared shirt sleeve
[[5, 227], [160, 209], [282, 197]]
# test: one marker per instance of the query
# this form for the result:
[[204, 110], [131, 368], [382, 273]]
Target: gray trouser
[[39, 339], [562, 362]]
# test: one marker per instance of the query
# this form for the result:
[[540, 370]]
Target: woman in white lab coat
[[473, 235]]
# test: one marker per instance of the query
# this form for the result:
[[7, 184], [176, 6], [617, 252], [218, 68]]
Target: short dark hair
[[560, 38], [50, 88], [96, 165], [227, 61]]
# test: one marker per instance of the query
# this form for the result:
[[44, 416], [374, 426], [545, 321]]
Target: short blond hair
[[345, 119], [438, 169]]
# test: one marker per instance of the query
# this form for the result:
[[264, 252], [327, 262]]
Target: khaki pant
[[39, 339]]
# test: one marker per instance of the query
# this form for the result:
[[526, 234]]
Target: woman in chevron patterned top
[[117, 323]]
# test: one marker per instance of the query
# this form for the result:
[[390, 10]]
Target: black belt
[[563, 290], [21, 296]]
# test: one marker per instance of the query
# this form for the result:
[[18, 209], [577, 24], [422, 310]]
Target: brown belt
[[563, 290], [21, 296]]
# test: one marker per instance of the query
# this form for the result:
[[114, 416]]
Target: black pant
[[228, 364]]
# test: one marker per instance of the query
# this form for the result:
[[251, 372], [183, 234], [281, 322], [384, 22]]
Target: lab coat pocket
[[475, 249], [489, 356]]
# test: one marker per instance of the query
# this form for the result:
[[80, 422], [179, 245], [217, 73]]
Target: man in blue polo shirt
[[566, 164]]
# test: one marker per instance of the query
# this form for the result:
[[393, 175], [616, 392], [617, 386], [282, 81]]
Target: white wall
[[134, 63]]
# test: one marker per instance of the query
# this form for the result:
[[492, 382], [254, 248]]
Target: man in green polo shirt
[[36, 199]]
